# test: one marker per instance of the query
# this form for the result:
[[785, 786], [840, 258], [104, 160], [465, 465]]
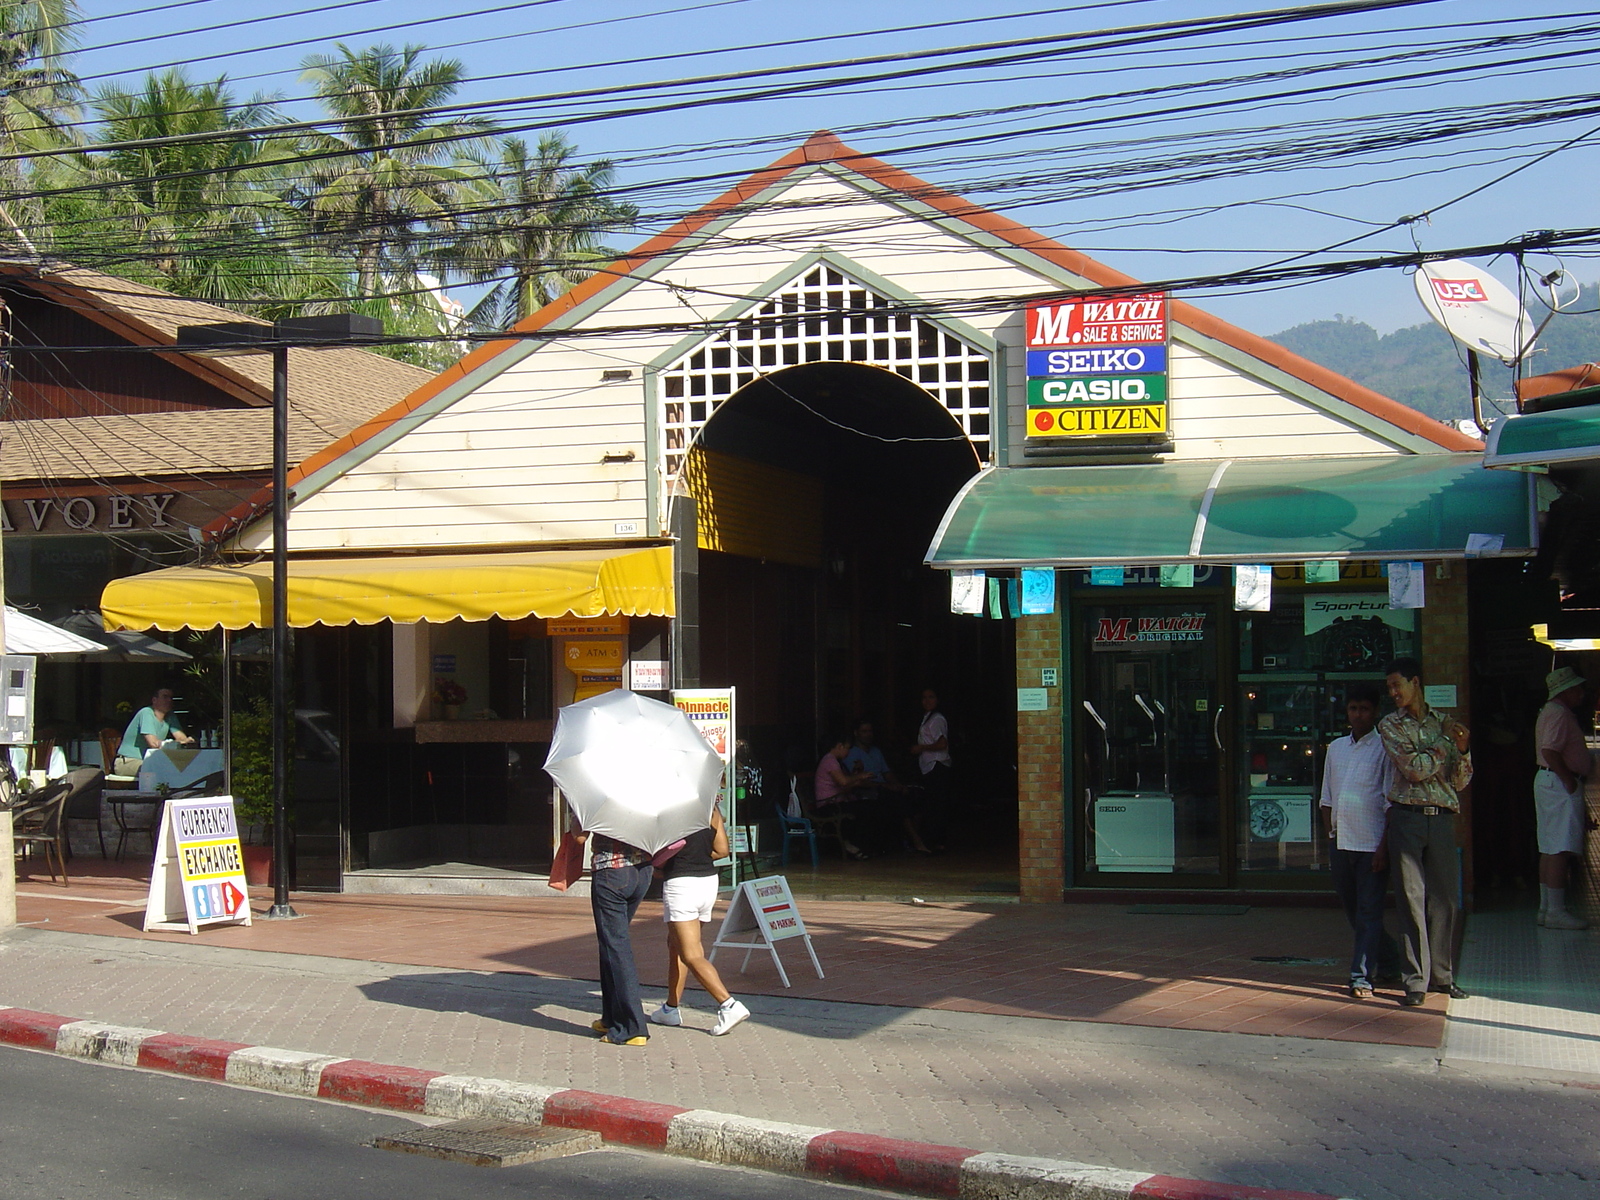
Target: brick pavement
[[1088, 962], [1339, 1117]]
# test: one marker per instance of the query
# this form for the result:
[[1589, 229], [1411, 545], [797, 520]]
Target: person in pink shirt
[[834, 785]]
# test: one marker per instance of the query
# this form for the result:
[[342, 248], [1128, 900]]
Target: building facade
[[771, 447]]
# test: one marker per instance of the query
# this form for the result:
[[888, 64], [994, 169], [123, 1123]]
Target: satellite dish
[[1476, 308]]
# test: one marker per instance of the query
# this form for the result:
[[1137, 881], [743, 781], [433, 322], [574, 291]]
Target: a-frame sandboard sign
[[198, 874], [764, 907]]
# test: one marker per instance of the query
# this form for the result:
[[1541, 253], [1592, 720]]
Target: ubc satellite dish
[[1476, 308]]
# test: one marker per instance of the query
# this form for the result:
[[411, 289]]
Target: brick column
[[1041, 825], [1445, 660]]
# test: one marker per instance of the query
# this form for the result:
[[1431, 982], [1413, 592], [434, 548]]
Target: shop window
[[1295, 664]]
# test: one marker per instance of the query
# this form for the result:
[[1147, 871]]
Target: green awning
[[1250, 510], [1538, 439]]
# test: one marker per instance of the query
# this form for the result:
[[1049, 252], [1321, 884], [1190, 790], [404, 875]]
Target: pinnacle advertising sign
[[1097, 368]]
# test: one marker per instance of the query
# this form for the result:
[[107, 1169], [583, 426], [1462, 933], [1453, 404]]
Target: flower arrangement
[[448, 691]]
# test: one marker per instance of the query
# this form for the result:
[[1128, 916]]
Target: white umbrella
[[634, 769], [29, 635]]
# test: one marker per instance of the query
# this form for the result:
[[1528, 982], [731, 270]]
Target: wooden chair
[[110, 742], [39, 754], [41, 824]]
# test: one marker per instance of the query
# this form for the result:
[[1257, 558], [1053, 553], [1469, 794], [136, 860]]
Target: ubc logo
[[1458, 290]]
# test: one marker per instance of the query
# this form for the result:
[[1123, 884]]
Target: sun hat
[[1563, 679]]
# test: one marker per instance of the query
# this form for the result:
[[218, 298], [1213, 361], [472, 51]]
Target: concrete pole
[[8, 848]]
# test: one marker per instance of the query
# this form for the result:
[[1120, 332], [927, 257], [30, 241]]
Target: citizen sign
[[87, 513]]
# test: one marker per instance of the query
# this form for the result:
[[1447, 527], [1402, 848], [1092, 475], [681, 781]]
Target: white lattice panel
[[806, 322]]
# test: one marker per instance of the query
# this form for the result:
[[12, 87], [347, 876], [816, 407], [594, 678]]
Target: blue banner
[[1097, 360]]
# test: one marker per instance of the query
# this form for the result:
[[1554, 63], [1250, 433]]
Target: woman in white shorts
[[688, 895]]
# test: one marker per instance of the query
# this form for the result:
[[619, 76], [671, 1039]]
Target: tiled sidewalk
[[1085, 962], [1535, 996]]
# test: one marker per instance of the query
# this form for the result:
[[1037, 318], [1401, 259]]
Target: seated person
[[885, 799], [148, 730], [835, 788]]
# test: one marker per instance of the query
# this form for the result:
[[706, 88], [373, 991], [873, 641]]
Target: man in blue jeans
[[1356, 777], [619, 877]]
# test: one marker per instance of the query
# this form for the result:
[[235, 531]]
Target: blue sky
[[1236, 219]]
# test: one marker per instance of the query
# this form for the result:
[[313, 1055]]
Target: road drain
[[485, 1142], [1294, 960]]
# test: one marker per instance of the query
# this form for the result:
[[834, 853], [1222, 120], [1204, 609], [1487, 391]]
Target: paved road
[[81, 1130], [1378, 1123]]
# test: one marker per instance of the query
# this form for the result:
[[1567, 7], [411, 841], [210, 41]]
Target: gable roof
[[825, 148], [330, 391]]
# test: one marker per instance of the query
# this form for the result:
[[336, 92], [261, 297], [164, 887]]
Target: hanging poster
[[1406, 585], [994, 599], [967, 592], [1105, 576], [1038, 591], [1252, 589], [1177, 575]]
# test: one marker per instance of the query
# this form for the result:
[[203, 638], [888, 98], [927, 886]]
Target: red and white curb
[[855, 1158]]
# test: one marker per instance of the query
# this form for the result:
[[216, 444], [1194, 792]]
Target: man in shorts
[[1564, 764]]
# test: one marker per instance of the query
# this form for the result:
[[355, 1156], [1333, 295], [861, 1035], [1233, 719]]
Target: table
[[161, 766], [119, 803]]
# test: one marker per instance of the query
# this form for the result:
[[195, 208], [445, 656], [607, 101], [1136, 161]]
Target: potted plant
[[251, 754], [449, 696]]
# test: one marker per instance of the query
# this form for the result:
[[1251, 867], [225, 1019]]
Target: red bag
[[567, 868]]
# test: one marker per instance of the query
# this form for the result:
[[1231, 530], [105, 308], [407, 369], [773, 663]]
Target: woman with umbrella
[[687, 898], [638, 777]]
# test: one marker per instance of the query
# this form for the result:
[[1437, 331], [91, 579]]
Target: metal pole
[[282, 699]]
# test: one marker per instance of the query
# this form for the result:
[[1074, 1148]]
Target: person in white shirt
[[1355, 799], [932, 753]]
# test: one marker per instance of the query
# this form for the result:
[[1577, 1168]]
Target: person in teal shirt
[[149, 728]]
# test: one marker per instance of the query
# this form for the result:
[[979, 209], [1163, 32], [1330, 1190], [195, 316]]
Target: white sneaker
[[667, 1015], [1560, 918], [729, 1015]]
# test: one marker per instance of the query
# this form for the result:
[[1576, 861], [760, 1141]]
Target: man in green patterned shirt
[[1432, 764]]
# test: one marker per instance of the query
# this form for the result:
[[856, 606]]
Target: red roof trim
[[826, 147]]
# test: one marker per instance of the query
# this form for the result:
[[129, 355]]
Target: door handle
[[1216, 726]]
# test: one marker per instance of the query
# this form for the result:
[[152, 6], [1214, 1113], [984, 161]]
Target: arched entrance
[[819, 487]]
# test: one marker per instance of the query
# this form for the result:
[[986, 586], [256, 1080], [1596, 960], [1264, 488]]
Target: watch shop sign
[[1097, 368], [90, 514]]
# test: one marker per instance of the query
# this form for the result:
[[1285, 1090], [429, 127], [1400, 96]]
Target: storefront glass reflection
[[1295, 663], [1151, 735]]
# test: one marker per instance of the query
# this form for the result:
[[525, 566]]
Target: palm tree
[[532, 224], [393, 169], [209, 216], [37, 97]]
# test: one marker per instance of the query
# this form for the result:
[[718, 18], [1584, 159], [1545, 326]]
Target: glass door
[[1151, 736]]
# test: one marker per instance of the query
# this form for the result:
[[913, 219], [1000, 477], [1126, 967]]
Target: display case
[[1296, 664]]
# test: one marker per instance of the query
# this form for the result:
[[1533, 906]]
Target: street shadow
[[520, 1000]]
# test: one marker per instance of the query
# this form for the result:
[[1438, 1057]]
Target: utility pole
[[8, 848]]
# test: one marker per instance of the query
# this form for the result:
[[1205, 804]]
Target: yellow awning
[[405, 589]]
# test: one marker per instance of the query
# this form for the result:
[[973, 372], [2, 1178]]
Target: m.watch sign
[[1097, 368]]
